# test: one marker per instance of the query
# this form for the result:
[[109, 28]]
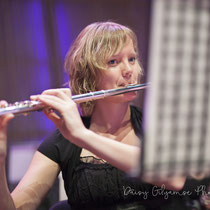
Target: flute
[[24, 107]]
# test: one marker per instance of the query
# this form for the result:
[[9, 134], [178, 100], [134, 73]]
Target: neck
[[109, 117]]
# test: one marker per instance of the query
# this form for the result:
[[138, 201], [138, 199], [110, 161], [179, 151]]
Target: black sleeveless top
[[101, 185]]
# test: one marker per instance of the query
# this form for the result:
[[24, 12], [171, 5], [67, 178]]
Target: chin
[[130, 96], [127, 97], [122, 98]]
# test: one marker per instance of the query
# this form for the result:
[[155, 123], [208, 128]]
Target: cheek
[[103, 83], [108, 80], [137, 72]]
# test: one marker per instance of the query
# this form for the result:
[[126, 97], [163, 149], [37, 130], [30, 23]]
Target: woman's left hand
[[4, 121], [68, 121]]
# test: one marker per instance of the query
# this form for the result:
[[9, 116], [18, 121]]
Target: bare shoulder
[[36, 183]]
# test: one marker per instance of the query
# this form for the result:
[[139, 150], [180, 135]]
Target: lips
[[122, 85], [127, 84]]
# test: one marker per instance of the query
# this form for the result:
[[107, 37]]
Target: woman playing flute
[[97, 151]]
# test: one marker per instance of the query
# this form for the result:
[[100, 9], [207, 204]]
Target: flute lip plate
[[126, 85]]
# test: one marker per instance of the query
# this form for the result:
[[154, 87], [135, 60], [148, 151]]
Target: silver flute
[[24, 107]]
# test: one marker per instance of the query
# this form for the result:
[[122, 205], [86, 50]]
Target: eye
[[112, 62], [132, 59]]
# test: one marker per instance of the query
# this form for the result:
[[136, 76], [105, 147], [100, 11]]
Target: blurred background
[[35, 35], [174, 46], [34, 39]]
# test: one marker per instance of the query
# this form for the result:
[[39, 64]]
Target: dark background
[[34, 38], [35, 35]]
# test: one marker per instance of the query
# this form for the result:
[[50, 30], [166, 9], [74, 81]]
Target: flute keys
[[17, 104], [22, 107]]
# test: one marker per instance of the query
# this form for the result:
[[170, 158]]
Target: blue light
[[39, 45], [64, 31], [40, 71]]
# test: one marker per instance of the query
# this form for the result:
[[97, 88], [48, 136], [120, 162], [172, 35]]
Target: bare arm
[[6, 201], [120, 155], [70, 124], [35, 184], [32, 188]]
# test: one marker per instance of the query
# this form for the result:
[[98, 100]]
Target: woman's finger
[[4, 120], [54, 102], [63, 93], [56, 96], [51, 115], [3, 103], [49, 100]]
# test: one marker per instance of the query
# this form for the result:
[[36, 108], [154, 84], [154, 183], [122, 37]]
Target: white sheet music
[[177, 109]]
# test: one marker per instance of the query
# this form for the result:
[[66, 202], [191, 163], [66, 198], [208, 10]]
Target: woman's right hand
[[68, 121], [4, 120]]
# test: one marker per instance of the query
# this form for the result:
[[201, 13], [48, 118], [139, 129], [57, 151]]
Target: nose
[[127, 70]]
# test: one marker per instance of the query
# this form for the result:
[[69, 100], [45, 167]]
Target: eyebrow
[[117, 55]]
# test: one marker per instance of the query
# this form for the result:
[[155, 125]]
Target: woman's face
[[122, 69]]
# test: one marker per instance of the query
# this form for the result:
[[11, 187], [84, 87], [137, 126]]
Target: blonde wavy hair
[[87, 57]]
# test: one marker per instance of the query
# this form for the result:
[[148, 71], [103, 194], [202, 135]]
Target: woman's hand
[[4, 120], [68, 120]]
